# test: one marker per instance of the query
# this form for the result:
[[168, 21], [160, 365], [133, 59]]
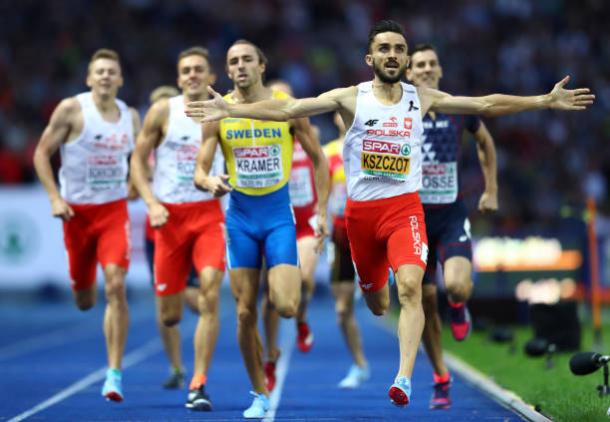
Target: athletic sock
[[197, 381], [441, 379]]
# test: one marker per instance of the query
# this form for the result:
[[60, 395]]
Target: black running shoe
[[197, 399], [440, 395], [175, 381]]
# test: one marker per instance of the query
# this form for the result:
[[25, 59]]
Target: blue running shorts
[[260, 226]]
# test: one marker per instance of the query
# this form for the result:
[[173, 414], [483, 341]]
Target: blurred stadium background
[[548, 163]]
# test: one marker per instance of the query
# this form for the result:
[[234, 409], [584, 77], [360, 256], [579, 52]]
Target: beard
[[385, 78]]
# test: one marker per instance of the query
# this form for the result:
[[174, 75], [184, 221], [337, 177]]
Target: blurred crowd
[[547, 160]]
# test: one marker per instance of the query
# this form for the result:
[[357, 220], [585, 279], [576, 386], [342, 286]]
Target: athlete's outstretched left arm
[[500, 104], [486, 151], [310, 142]]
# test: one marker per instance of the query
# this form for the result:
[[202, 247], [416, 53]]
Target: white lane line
[[287, 334], [480, 381], [136, 356], [52, 339]]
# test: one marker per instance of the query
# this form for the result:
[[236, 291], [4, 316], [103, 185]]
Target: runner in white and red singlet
[[383, 164], [188, 223], [94, 132], [169, 335]]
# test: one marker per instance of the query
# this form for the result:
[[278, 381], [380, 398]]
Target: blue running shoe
[[258, 408], [355, 377], [400, 391], [112, 389]]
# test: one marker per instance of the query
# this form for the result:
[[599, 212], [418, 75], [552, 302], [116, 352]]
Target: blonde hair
[[104, 53], [163, 91]]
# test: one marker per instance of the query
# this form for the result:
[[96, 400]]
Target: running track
[[52, 364]]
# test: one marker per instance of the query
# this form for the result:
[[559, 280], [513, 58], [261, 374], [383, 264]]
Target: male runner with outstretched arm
[[383, 164]]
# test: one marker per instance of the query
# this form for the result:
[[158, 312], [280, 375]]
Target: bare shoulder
[[67, 109], [158, 112]]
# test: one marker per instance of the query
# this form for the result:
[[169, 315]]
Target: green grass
[[556, 392]]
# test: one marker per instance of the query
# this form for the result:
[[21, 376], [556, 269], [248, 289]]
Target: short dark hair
[[386, 25], [262, 59], [194, 51], [419, 48]]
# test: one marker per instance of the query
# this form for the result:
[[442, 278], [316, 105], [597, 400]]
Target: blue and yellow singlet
[[258, 153]]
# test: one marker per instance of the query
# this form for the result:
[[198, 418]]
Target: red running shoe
[[400, 391], [270, 375], [460, 321], [304, 337]]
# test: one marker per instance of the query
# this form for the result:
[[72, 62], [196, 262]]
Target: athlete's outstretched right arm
[[216, 185], [278, 110], [148, 139], [55, 134]]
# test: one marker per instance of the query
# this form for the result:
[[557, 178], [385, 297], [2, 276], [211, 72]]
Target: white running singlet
[[382, 150], [176, 158], [94, 166]]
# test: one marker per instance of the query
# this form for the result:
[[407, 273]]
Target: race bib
[[439, 183], [301, 191], [258, 166], [385, 159], [186, 158], [106, 170]]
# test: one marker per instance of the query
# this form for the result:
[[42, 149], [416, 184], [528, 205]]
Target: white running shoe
[[355, 377], [258, 408]]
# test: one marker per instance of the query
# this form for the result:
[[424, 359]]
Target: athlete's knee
[[343, 314], [459, 289], [380, 305], [114, 285], [246, 315], [287, 305], [170, 317], [409, 289], [287, 309], [343, 310], [85, 302], [208, 301]]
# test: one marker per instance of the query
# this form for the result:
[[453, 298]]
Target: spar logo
[[384, 147], [257, 152]]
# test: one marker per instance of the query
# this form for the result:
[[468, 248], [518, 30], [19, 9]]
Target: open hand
[[570, 99], [209, 110]]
